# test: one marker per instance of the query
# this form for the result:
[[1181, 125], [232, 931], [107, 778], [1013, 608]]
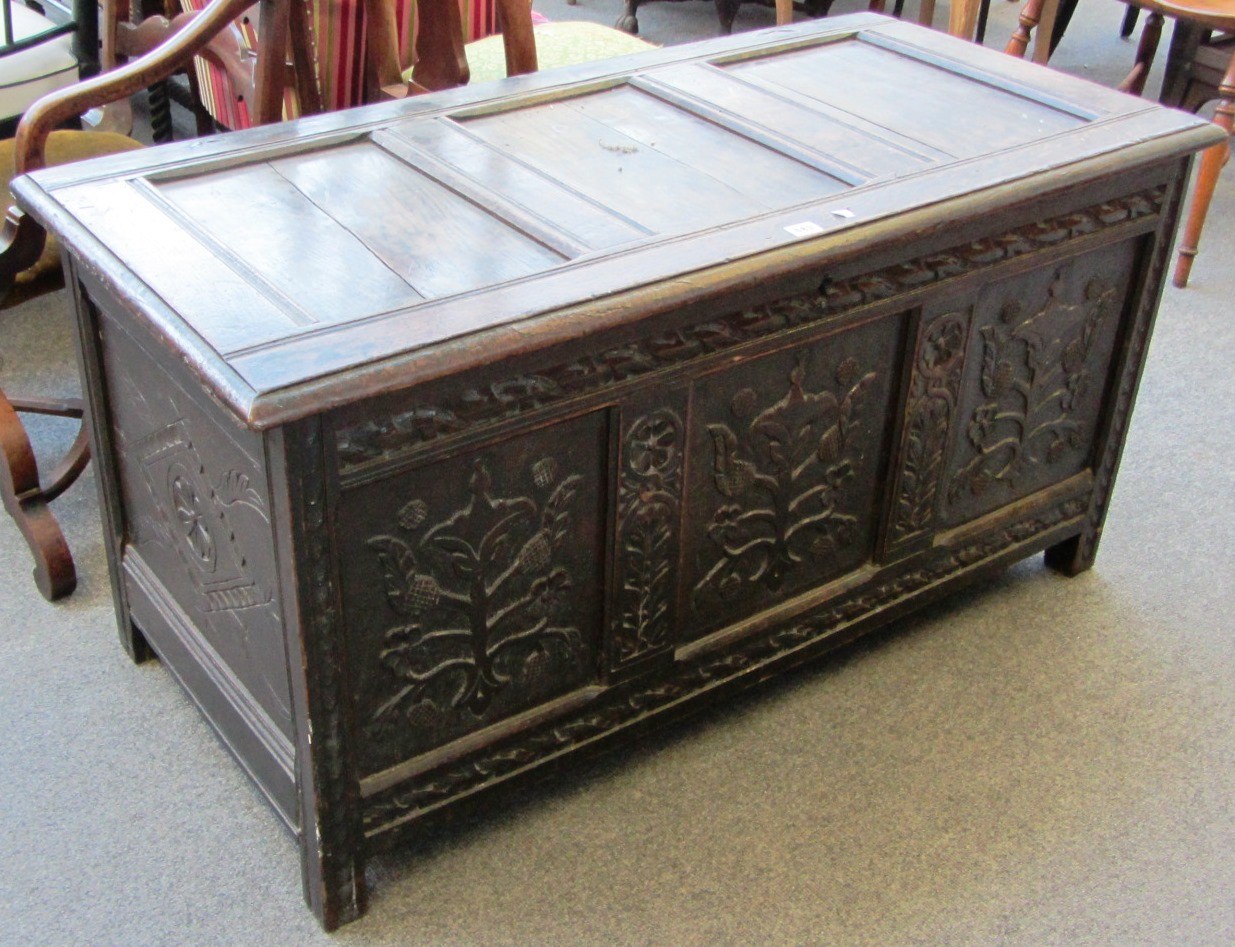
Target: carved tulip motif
[[784, 469], [1035, 368], [478, 592]]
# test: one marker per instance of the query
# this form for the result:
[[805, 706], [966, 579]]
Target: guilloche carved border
[[382, 439], [405, 802]]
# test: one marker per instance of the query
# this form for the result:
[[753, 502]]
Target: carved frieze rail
[[387, 437]]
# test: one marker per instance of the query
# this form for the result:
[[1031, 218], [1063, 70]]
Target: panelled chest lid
[[311, 263]]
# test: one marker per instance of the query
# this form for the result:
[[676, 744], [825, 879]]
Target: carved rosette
[[933, 391], [649, 503]]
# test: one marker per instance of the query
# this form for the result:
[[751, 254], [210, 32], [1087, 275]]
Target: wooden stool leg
[[1025, 22], [1207, 179], [26, 502], [784, 12]]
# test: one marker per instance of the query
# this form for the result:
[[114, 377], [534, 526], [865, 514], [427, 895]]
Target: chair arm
[[54, 109]]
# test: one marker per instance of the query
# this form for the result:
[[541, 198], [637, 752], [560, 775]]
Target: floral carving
[[929, 412], [477, 593], [1033, 378], [649, 498], [406, 801], [784, 469], [191, 515]]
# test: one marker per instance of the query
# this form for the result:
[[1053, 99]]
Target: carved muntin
[[1035, 380], [473, 586], [651, 462], [786, 454], [936, 371]]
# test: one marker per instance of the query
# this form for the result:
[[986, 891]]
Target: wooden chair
[[1216, 15], [443, 60], [332, 36], [1200, 71], [29, 261]]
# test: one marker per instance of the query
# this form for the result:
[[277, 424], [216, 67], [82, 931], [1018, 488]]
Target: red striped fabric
[[338, 30]]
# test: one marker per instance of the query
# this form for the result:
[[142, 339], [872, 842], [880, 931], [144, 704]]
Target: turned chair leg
[[1028, 18], [1145, 52], [26, 498], [1207, 178]]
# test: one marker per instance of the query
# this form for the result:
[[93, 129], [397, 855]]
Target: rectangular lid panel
[[268, 227], [443, 142], [944, 109], [872, 151], [346, 225], [662, 167]]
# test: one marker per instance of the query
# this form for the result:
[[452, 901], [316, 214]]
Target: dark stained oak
[[444, 438]]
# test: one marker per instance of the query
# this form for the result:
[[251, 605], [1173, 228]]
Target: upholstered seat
[[557, 45], [29, 74]]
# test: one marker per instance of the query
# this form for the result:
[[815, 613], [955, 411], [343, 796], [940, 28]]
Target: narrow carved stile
[[929, 413], [649, 504]]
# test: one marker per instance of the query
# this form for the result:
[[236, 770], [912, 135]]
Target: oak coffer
[[443, 438]]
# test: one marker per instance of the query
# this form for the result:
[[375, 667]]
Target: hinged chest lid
[[302, 265]]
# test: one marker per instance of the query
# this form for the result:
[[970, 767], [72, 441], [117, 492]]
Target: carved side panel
[[1034, 380], [930, 412], [198, 514], [651, 465], [785, 456], [472, 587]]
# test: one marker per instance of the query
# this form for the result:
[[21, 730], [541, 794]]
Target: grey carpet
[[1038, 761]]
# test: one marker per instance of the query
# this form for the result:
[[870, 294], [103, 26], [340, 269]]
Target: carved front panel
[[472, 586], [198, 514], [1035, 379], [785, 458]]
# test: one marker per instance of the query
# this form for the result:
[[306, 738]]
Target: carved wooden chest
[[442, 439]]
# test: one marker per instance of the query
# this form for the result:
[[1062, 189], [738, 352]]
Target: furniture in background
[[39, 55], [726, 11], [564, 404], [1204, 66], [30, 263], [334, 36], [1200, 68], [444, 60]]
